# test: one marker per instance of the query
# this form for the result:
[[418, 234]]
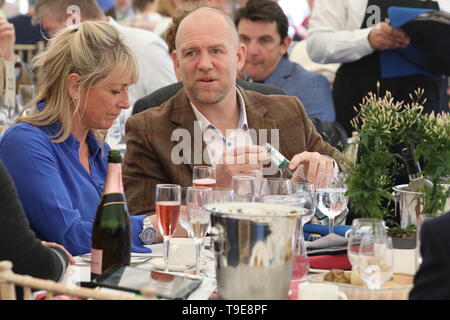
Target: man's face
[[206, 57], [51, 25], [265, 47]]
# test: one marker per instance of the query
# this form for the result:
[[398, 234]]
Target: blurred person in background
[[354, 33], [263, 28], [299, 54], [147, 17], [7, 41], [122, 9], [105, 5], [27, 31], [167, 8], [8, 10]]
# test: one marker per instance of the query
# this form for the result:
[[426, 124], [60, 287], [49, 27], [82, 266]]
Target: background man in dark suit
[[432, 280]]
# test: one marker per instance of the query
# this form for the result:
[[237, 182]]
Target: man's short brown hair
[[264, 10]]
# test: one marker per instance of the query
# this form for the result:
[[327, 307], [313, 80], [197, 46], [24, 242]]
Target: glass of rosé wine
[[167, 203]]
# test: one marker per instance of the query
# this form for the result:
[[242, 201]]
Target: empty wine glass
[[362, 227], [330, 194], [204, 176], [183, 219], [305, 192], [244, 188], [198, 217], [167, 203], [376, 260]]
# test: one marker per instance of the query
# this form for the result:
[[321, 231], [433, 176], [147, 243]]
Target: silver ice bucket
[[254, 249], [408, 207]]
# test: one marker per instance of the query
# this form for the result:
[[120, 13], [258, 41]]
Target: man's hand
[[239, 161], [313, 164], [7, 40], [384, 37]]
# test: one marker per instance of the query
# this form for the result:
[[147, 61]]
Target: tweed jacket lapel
[[256, 111]]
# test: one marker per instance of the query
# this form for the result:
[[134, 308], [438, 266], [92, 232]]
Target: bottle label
[[275, 156], [96, 261]]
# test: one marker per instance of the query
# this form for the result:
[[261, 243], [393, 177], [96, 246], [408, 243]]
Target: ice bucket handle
[[218, 237]]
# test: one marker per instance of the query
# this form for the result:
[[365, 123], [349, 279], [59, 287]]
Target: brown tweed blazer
[[149, 146]]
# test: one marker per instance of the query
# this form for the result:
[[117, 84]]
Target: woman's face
[[104, 103]]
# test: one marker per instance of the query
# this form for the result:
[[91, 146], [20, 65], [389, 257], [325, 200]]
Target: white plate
[[137, 258]]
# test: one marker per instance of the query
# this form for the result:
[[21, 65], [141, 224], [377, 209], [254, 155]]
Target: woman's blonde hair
[[93, 50]]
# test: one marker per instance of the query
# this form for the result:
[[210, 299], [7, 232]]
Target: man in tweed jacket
[[207, 57]]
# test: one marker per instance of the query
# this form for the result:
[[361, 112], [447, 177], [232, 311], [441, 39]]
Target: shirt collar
[[206, 124]]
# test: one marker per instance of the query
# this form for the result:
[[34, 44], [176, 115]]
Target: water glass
[[376, 260], [183, 219], [167, 203], [223, 195], [204, 176], [275, 186], [244, 188], [198, 217], [330, 194], [305, 192], [360, 228]]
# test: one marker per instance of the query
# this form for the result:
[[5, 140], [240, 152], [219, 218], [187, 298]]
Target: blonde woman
[[57, 157]]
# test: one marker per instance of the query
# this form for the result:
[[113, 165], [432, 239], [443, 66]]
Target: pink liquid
[[205, 182], [168, 214], [300, 267]]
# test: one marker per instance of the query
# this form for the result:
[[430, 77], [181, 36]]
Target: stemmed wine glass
[[183, 219], [204, 176], [167, 202], [198, 217], [376, 260], [330, 193], [362, 227], [306, 194]]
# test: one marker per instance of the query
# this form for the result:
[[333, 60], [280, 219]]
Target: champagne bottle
[[279, 160], [111, 234], [417, 181]]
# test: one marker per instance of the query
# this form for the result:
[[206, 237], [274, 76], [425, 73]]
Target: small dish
[[396, 289]]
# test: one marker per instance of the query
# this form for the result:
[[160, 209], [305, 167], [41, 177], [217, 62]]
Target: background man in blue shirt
[[263, 28]]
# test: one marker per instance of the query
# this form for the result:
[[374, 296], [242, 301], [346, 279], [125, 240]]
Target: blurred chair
[[9, 280], [27, 51]]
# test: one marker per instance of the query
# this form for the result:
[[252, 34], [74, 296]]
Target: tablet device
[[168, 286]]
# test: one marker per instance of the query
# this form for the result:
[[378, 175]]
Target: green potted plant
[[381, 127]]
